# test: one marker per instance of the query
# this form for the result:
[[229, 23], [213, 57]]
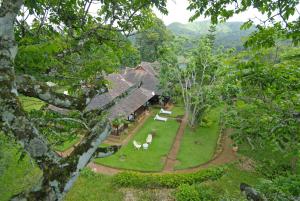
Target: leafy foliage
[[267, 103], [187, 192], [198, 80], [139, 180], [67, 44], [281, 188], [153, 40]]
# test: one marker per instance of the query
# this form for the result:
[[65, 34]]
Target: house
[[129, 92]]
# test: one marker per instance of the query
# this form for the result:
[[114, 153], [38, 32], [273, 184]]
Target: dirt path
[[171, 158], [103, 169], [225, 155]]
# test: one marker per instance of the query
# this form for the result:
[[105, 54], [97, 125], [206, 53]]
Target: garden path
[[171, 158]]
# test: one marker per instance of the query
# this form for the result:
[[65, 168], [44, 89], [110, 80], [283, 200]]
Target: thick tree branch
[[28, 86]]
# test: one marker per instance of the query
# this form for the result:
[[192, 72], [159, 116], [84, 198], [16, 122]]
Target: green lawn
[[93, 187], [153, 158], [15, 176], [176, 111], [198, 146], [30, 103]]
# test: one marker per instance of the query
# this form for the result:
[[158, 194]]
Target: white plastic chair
[[136, 145], [157, 117], [165, 111], [149, 139]]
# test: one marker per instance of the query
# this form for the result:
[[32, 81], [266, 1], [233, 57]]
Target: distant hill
[[228, 34]]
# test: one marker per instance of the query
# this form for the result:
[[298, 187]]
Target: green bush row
[[142, 180], [187, 192]]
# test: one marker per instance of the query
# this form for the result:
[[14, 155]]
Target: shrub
[[206, 193], [88, 173], [272, 169], [281, 188], [187, 192], [140, 180]]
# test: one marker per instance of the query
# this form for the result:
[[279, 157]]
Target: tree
[[197, 81], [266, 108], [71, 19], [119, 122], [151, 41], [212, 34], [278, 14]]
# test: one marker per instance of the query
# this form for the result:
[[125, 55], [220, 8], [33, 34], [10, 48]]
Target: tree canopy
[[278, 23]]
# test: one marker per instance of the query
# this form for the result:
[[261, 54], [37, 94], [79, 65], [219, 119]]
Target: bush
[[272, 169], [187, 192], [281, 188], [206, 193], [140, 180]]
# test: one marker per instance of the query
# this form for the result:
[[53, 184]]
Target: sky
[[179, 13]]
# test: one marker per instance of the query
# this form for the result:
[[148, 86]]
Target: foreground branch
[[28, 86]]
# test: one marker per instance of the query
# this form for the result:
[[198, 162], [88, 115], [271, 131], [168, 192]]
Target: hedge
[[187, 192], [169, 180]]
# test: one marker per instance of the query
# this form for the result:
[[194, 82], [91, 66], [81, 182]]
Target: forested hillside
[[228, 34]]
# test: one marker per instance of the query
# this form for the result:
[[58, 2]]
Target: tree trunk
[[13, 118], [58, 174]]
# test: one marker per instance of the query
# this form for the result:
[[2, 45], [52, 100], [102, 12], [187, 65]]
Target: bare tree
[[197, 81]]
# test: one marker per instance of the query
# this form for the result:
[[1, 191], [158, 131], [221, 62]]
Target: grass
[[198, 146], [176, 111], [96, 187], [93, 187], [229, 184], [67, 144], [15, 175], [153, 158], [30, 103]]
